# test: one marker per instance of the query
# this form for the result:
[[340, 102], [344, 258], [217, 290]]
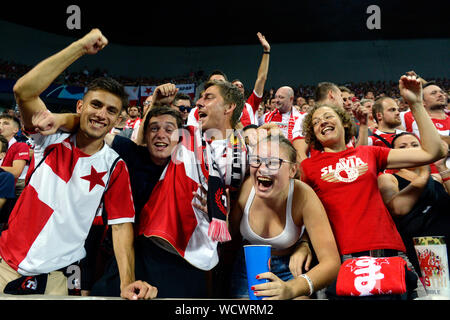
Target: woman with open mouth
[[273, 208]]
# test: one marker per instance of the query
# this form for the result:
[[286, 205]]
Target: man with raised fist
[[73, 179]]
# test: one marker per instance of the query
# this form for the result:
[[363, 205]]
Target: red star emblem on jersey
[[94, 178]]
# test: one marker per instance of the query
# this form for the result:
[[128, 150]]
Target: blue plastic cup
[[257, 260]]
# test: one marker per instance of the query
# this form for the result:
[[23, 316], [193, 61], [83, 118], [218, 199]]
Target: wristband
[[266, 52], [445, 179], [310, 283]]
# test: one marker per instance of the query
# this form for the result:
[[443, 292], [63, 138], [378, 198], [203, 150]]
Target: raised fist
[[93, 42], [165, 93]]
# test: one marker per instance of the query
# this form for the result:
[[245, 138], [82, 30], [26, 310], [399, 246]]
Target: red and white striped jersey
[[52, 218]]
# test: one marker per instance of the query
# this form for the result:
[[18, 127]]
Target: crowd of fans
[[13, 70], [171, 209]]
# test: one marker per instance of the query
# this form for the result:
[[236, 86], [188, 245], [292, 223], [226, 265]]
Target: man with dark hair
[[14, 163], [218, 75], [133, 117], [328, 93], [73, 179], [146, 162], [347, 99], [18, 154], [146, 158], [134, 121]]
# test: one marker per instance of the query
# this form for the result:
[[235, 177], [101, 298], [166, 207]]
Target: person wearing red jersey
[[285, 116], [345, 178], [13, 163], [133, 117], [434, 101], [249, 113], [73, 178], [386, 113]]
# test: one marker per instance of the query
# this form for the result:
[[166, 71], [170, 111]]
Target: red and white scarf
[[276, 116], [169, 214]]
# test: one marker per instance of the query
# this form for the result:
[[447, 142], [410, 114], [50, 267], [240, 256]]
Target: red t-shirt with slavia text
[[346, 183]]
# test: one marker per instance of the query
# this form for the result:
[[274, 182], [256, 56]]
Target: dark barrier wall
[[291, 64]]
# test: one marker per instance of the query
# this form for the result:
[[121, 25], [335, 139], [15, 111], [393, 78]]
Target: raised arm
[[432, 149], [163, 95], [46, 122], [263, 67], [363, 117], [29, 87]]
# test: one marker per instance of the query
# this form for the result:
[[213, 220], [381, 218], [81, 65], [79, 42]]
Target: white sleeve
[[297, 131], [135, 132], [41, 142]]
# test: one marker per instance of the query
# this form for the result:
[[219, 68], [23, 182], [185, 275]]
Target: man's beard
[[438, 107]]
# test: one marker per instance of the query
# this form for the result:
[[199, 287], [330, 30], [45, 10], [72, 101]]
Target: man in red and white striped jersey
[[285, 116], [435, 103], [71, 180]]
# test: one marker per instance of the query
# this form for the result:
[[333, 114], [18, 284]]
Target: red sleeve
[[409, 119], [22, 152], [18, 151], [254, 101], [380, 154], [118, 198]]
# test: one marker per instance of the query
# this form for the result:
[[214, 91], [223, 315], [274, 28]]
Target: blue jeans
[[279, 265]]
